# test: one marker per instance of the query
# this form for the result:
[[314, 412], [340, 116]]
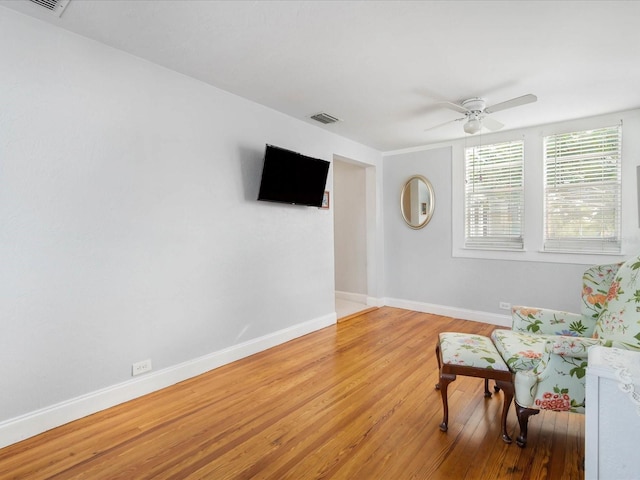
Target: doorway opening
[[352, 247]]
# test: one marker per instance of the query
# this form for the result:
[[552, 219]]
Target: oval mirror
[[417, 201]]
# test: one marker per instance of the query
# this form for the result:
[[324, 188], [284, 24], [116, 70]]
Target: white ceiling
[[383, 66]]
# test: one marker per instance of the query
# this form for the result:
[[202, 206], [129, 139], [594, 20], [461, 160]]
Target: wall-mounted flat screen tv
[[290, 177]]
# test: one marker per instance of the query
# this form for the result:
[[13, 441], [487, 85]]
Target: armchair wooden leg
[[523, 419]]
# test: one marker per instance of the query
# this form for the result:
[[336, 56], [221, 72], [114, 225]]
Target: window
[[582, 191], [494, 200]]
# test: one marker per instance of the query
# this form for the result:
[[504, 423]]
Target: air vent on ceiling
[[54, 6], [324, 118]]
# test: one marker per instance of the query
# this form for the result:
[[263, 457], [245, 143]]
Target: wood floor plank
[[352, 401]]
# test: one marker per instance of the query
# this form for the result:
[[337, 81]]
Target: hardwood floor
[[352, 401]]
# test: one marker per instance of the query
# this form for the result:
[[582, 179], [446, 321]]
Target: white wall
[[350, 227], [427, 270], [131, 231]]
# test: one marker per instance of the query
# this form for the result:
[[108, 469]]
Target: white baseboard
[[474, 315], [360, 298], [375, 302], [34, 423], [352, 297]]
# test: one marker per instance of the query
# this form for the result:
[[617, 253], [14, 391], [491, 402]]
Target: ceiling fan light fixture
[[473, 126], [475, 111]]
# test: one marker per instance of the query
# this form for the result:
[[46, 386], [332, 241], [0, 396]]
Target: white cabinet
[[612, 423]]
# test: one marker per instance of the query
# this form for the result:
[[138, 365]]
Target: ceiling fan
[[475, 112]]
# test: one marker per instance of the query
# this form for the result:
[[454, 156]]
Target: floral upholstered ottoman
[[472, 356]]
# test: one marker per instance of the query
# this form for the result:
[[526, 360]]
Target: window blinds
[[494, 200], [583, 191]]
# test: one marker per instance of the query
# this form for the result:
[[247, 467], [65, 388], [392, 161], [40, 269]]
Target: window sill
[[539, 256]]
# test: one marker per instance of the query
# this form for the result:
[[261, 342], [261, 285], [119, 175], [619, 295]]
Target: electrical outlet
[[505, 306], [139, 368]]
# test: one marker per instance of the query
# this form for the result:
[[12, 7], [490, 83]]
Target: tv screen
[[290, 177]]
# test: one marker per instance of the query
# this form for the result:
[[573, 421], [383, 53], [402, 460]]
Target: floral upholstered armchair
[[546, 350]]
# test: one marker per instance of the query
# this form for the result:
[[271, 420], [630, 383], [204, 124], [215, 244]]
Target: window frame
[[583, 174], [534, 191], [499, 200]]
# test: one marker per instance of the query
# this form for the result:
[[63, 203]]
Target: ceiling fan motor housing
[[474, 104]]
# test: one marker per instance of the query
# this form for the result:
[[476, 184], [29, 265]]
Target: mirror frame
[[432, 201]]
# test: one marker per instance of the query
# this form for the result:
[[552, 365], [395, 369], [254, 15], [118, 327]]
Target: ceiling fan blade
[[514, 102], [445, 123], [453, 106], [491, 124]]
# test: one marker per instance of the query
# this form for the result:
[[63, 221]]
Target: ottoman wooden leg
[[439, 363], [487, 393], [507, 388], [445, 380]]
